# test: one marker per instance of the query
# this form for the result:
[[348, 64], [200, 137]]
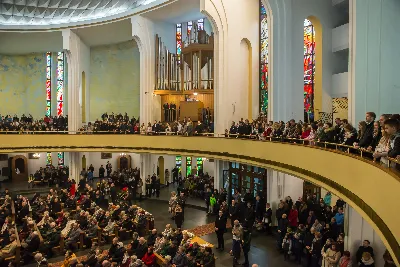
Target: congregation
[[27, 123]]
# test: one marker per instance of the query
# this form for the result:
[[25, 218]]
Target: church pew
[[17, 257], [160, 260]]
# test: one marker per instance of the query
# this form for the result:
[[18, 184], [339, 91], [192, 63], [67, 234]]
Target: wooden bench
[[160, 259], [17, 257]]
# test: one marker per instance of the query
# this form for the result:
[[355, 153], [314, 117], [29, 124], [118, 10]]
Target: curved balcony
[[367, 186]]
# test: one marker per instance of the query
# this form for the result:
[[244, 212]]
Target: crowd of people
[[25, 124], [381, 138], [50, 175]]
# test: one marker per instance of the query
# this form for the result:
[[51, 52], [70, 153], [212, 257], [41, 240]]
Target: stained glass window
[[263, 60], [60, 157], [179, 41], [309, 70], [188, 166], [48, 158], [200, 24], [60, 83], [189, 27], [178, 162], [48, 83], [199, 162]]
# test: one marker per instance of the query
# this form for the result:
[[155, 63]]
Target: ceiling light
[[195, 93]]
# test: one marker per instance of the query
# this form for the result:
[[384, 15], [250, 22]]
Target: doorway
[[19, 169]]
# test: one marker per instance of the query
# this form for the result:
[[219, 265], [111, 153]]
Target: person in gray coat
[[180, 259]]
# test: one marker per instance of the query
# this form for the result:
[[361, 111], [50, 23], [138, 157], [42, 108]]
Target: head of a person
[[115, 241], [392, 126], [346, 254], [370, 116], [142, 240], [366, 243], [220, 213]]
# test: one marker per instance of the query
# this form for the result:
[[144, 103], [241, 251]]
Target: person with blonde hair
[[367, 260], [331, 257]]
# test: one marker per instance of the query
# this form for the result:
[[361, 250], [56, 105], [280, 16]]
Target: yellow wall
[[114, 79], [23, 85], [365, 186]]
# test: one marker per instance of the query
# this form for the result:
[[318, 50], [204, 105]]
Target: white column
[[219, 167], [75, 165], [71, 44], [145, 168]]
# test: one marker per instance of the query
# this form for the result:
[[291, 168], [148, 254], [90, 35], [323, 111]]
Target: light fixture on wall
[[36, 156], [194, 93], [122, 154]]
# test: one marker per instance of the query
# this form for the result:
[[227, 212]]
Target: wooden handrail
[[12, 211]]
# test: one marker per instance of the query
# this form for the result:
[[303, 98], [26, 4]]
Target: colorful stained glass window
[[189, 27], [48, 84], [309, 70], [200, 24], [199, 163], [179, 41], [188, 166], [60, 157], [263, 60], [178, 162], [48, 158], [60, 83]]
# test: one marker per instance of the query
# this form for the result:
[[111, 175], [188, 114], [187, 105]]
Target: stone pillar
[[219, 167]]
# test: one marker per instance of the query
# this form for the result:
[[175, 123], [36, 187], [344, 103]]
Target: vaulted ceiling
[[47, 12]]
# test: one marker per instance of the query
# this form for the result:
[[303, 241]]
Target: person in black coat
[[246, 243], [268, 219], [33, 243], [282, 229], [315, 250], [249, 216], [141, 249], [220, 228], [178, 216], [364, 248], [23, 212], [259, 207], [366, 140], [113, 193], [233, 211], [101, 172]]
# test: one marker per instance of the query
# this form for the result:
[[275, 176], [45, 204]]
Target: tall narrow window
[[189, 27], [60, 157], [309, 70], [60, 83], [48, 158], [179, 41], [48, 84], [263, 60], [178, 162], [200, 24], [188, 166], [199, 162]]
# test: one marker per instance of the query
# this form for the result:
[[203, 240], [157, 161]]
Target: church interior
[[199, 133]]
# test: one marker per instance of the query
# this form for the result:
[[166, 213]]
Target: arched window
[[309, 70], [263, 60]]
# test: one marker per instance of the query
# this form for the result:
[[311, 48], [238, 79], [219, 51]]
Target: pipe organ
[[184, 77], [192, 70]]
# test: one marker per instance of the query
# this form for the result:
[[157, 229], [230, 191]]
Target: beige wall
[[114, 79]]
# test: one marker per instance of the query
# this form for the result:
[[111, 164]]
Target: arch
[[312, 68], [21, 163], [246, 62]]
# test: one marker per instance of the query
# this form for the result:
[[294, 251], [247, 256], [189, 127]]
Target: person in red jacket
[[293, 217], [149, 258]]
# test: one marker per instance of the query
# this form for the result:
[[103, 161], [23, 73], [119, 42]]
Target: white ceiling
[[29, 42], [177, 12], [50, 12]]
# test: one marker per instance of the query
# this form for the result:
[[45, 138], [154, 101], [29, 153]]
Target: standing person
[[233, 211], [148, 186], [101, 172], [207, 196], [179, 216], [246, 243], [181, 200], [268, 219], [167, 177], [139, 188], [286, 246], [109, 169], [113, 193], [237, 232], [220, 228], [72, 190]]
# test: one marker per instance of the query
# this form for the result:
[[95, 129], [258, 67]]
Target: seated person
[[9, 250], [30, 246], [149, 258], [73, 236], [52, 240]]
